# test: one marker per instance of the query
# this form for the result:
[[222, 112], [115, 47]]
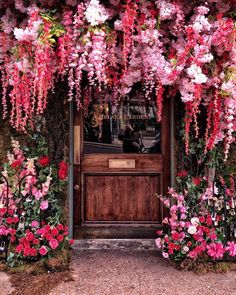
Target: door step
[[116, 244]]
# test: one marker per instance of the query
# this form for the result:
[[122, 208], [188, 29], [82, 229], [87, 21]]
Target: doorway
[[121, 164]]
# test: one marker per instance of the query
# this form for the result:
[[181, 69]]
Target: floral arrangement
[[173, 45], [31, 191], [202, 219]]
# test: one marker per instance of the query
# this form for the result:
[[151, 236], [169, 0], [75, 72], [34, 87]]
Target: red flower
[[196, 180], [10, 212], [175, 236], [209, 220], [3, 211], [30, 237], [60, 238], [19, 248], [9, 220], [36, 241], [16, 164], [15, 219], [54, 232], [71, 242], [60, 227], [48, 237], [12, 239], [63, 170], [182, 173], [43, 161], [53, 244], [33, 252], [27, 251], [201, 219]]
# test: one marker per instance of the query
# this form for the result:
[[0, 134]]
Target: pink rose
[[35, 223], [44, 205], [43, 251], [158, 243], [165, 255], [53, 244]]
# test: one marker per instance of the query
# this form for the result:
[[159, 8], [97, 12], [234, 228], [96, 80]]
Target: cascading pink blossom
[[188, 47]]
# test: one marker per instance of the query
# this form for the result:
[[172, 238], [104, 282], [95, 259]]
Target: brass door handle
[[76, 187]]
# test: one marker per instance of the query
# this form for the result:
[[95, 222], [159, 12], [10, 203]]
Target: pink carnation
[[215, 250], [53, 244], [43, 251]]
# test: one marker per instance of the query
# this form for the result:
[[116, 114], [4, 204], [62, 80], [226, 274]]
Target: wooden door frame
[[78, 186]]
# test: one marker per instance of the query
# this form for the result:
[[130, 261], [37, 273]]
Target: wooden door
[[115, 188]]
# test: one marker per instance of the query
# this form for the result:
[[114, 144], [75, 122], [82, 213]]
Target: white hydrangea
[[195, 73], [27, 34], [96, 13], [195, 221], [192, 230]]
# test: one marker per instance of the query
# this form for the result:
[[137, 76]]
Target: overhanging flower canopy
[[185, 47]]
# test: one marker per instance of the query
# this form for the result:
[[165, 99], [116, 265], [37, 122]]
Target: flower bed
[[31, 206], [200, 221]]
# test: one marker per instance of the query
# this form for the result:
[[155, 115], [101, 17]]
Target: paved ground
[[5, 285], [108, 272]]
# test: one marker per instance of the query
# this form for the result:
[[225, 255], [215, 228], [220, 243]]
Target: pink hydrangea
[[215, 250], [231, 247]]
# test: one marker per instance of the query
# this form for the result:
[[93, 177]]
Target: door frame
[[76, 151]]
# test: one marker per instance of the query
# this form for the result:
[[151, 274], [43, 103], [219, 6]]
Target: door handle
[[76, 187]]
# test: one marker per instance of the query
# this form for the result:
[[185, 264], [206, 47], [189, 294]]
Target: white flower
[[27, 34], [96, 13], [195, 221], [185, 249], [208, 57], [195, 72], [192, 230], [118, 25]]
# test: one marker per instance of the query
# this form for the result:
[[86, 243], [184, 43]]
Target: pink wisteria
[[165, 45]]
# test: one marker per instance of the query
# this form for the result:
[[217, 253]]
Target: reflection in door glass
[[129, 127]]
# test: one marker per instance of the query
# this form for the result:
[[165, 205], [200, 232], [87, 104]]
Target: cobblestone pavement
[[5, 284], [108, 272]]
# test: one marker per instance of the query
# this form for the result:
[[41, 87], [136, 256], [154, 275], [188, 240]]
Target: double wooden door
[[115, 191]]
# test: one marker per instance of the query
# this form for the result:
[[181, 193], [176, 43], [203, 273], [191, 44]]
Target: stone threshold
[[116, 244]]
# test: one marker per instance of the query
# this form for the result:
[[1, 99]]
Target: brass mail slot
[[122, 163]]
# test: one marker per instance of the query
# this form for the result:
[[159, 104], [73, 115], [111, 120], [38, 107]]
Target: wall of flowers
[[173, 48]]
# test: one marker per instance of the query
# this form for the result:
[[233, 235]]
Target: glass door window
[[127, 127]]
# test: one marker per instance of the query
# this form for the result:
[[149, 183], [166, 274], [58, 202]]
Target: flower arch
[[187, 48]]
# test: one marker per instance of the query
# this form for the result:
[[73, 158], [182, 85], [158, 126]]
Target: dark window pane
[[129, 127]]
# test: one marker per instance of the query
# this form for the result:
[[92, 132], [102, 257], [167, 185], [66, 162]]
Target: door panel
[[115, 189], [118, 198]]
